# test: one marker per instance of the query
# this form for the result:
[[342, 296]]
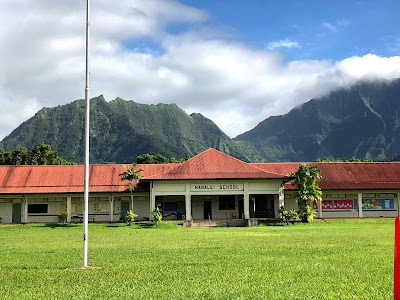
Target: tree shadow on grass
[[134, 225], [145, 224], [55, 225], [271, 223]]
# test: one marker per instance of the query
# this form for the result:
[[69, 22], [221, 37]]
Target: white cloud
[[329, 26], [235, 85], [337, 26], [286, 43]]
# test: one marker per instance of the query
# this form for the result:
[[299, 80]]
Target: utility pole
[[87, 123]]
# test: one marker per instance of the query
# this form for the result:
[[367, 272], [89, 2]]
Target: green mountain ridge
[[120, 131], [360, 121]]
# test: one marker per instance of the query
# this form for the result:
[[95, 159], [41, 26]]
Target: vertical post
[[188, 207], [111, 198], [69, 210], [360, 211], [87, 123], [25, 209], [319, 209], [281, 198], [396, 275], [246, 206], [152, 201], [246, 201]]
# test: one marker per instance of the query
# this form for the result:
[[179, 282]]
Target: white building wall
[[141, 207], [198, 207], [6, 210], [176, 192], [211, 189]]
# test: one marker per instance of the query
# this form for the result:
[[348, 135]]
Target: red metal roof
[[345, 175], [210, 164], [213, 164], [68, 179]]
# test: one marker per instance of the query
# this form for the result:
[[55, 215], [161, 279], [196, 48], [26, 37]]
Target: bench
[[79, 218]]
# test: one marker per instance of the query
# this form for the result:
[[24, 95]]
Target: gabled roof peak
[[214, 164]]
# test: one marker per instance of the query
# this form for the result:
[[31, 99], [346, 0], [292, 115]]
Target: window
[[170, 206], [101, 207], [227, 202], [37, 208], [386, 195], [338, 195], [369, 195]]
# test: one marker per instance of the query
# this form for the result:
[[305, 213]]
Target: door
[[180, 207], [124, 209], [207, 210], [16, 213], [241, 209]]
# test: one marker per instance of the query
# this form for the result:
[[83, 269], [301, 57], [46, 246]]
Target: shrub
[[288, 215], [157, 216], [130, 217], [63, 217]]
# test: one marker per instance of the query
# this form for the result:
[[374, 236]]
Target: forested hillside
[[362, 121], [120, 131]]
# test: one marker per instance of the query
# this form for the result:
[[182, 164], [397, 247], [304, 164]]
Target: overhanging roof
[[208, 165], [68, 178], [345, 175], [213, 164]]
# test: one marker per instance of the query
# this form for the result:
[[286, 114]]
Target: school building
[[211, 186]]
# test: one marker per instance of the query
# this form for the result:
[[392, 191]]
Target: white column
[[398, 204], [246, 201], [69, 209], [111, 199], [152, 201], [281, 200], [188, 207], [319, 209], [360, 211], [25, 209]]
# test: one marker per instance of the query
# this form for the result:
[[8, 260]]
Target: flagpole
[[87, 123]]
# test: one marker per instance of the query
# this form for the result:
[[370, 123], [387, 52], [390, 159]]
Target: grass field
[[336, 259]]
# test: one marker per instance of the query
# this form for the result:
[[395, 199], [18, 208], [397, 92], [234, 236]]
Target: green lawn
[[336, 259]]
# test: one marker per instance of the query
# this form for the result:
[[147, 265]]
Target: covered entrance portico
[[217, 200], [216, 186]]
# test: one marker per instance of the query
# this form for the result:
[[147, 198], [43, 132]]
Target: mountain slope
[[121, 130], [362, 121]]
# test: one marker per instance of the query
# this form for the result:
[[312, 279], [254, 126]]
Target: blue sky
[[310, 29], [235, 62]]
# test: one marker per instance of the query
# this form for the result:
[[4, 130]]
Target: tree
[[351, 159], [132, 176], [356, 159], [151, 159], [308, 190], [43, 154], [20, 156], [158, 159], [325, 159], [40, 154]]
